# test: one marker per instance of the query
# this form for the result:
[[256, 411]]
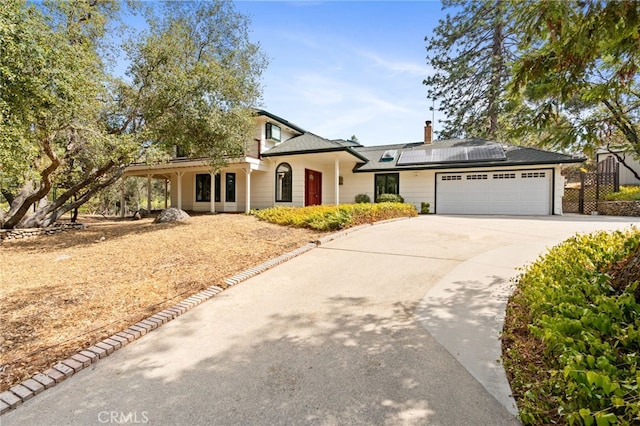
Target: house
[[625, 176], [288, 166]]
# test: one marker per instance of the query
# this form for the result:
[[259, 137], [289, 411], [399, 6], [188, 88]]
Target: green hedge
[[626, 193], [329, 218], [590, 335]]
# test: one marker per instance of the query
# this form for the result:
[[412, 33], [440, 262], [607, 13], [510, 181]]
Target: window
[[203, 187], [181, 152], [217, 187], [273, 132], [530, 175], [504, 176], [387, 183], [476, 177], [284, 183], [230, 188], [452, 177]]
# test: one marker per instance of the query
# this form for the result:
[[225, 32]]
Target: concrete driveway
[[393, 324]]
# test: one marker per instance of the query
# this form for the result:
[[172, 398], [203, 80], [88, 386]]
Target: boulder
[[171, 214]]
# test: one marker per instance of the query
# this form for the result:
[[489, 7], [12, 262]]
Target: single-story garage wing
[[475, 176]]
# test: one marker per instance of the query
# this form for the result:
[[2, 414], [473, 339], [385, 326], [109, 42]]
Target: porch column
[[337, 180], [247, 209], [122, 197], [212, 192], [180, 189], [166, 193], [149, 193]]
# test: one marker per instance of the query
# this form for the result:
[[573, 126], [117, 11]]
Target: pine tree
[[469, 52]]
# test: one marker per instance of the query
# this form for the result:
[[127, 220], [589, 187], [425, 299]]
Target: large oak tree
[[65, 121]]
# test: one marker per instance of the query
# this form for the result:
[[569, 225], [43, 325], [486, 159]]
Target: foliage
[[589, 333], [389, 198], [469, 53], [65, 122], [330, 218], [363, 198], [578, 69], [424, 208], [626, 193]]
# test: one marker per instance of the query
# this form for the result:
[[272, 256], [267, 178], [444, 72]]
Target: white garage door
[[522, 192]]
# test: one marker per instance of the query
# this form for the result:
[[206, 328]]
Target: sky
[[344, 68]]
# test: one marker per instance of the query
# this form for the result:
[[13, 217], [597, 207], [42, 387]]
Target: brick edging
[[16, 395]]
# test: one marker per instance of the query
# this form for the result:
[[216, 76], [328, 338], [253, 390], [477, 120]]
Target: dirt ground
[[59, 294]]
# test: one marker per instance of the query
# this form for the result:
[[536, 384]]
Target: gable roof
[[513, 156], [281, 120], [308, 143]]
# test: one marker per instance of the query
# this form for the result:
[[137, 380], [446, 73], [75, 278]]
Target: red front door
[[312, 188]]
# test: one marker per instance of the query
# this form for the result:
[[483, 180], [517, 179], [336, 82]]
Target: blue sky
[[343, 68]]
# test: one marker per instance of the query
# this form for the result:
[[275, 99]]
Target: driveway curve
[[393, 324]]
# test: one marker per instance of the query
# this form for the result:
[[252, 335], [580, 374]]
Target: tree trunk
[[497, 65], [28, 196]]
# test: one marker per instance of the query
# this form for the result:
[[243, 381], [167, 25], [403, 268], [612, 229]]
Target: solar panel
[[451, 155], [418, 156], [448, 155], [485, 152]]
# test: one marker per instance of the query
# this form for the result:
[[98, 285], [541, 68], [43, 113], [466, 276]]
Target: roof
[[308, 143], [461, 153], [513, 156], [280, 120]]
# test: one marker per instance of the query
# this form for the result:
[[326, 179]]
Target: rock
[[137, 215], [171, 214]]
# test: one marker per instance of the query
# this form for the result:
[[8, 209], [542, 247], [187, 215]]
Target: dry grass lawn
[[60, 294]]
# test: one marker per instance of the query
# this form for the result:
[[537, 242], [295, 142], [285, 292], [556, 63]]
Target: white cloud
[[395, 65]]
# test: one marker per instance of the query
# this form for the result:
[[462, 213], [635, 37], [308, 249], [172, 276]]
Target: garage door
[[523, 192]]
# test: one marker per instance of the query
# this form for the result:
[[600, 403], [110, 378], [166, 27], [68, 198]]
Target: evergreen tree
[[579, 71], [469, 52]]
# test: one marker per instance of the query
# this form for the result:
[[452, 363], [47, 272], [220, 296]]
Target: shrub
[[626, 193], [389, 198], [329, 218], [424, 208], [590, 335], [362, 198]]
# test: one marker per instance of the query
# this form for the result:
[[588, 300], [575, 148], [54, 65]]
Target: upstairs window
[[284, 183], [273, 132], [181, 152]]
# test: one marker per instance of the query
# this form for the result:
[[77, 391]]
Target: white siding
[[626, 176]]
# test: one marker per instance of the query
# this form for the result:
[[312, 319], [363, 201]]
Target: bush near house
[[626, 193], [572, 334], [389, 198], [363, 198], [330, 218]]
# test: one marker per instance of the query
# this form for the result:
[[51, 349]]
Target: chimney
[[428, 133]]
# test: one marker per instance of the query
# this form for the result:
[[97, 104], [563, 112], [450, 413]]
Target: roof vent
[[389, 155]]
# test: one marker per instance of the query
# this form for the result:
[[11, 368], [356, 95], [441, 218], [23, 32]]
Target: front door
[[312, 188]]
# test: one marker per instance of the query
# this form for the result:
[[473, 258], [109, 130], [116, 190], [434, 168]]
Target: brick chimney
[[428, 133]]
